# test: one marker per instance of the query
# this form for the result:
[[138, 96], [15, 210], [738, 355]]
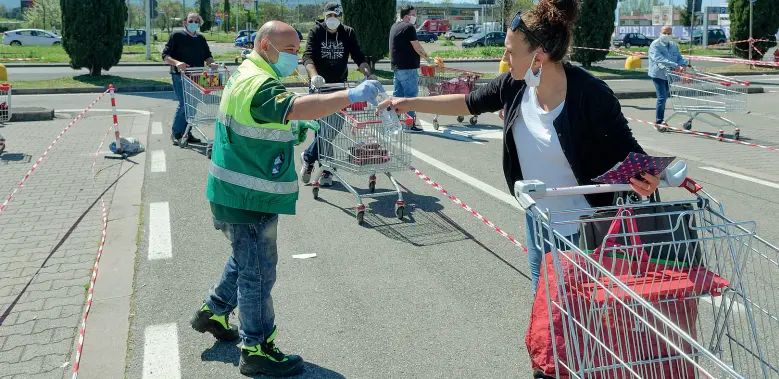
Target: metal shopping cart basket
[[5, 103], [695, 93], [360, 141], [437, 80], [623, 310], [202, 93]]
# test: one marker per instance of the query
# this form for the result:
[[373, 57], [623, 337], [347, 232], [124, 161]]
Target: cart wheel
[[460, 118], [372, 186], [474, 120], [736, 136], [688, 125], [360, 217], [236, 60], [399, 211], [436, 125], [208, 153], [315, 191]]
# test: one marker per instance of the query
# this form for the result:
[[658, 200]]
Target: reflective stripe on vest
[[252, 183], [254, 132]]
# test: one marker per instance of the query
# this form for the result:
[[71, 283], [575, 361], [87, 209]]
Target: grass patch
[[603, 71], [476, 52], [743, 68], [211, 36], [56, 54], [684, 49], [84, 81], [447, 43]]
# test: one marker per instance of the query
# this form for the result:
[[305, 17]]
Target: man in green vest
[[251, 181]]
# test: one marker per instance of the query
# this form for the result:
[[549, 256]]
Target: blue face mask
[[286, 64], [193, 28]]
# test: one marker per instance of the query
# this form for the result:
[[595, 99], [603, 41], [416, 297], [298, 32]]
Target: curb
[[32, 114]]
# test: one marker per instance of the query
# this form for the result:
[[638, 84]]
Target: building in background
[[459, 15]]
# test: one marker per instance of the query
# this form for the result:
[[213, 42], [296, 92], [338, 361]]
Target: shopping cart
[[5, 103], [360, 141], [202, 93], [695, 93], [437, 80], [712, 312]]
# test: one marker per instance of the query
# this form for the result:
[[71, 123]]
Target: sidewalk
[[51, 231]]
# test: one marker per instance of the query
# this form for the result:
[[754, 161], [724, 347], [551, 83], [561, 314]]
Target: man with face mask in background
[[405, 52], [186, 48], [329, 45], [251, 181], [663, 55]]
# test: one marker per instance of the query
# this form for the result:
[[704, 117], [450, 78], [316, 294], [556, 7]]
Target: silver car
[[31, 37]]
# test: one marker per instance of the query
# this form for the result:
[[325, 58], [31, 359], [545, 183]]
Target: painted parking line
[[158, 161], [160, 246], [161, 352], [742, 177], [156, 128]]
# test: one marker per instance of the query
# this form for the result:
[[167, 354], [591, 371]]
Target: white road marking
[[476, 183], [742, 177], [160, 246], [737, 307], [161, 352], [158, 161], [156, 127]]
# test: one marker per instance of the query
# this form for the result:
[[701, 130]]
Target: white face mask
[[665, 38], [412, 19], [533, 80], [332, 23]]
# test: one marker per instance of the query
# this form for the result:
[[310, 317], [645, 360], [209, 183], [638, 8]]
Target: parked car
[[31, 37], [425, 36], [457, 34], [485, 39], [629, 40], [136, 37], [716, 36], [242, 33]]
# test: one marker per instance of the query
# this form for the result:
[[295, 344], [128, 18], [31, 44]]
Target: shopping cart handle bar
[[525, 191]]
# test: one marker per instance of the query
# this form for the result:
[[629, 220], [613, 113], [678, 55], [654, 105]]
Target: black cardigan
[[593, 133]]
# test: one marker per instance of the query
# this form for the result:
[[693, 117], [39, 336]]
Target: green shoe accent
[[219, 326]]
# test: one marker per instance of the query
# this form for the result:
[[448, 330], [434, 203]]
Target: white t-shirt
[[542, 158]]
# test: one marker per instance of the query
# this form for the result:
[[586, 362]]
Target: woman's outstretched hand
[[647, 186]]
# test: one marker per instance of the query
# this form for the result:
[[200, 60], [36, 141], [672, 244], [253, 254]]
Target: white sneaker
[[305, 169]]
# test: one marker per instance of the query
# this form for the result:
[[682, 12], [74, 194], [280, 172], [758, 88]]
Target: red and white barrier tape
[[19, 59], [466, 207], [83, 328], [731, 60], [736, 42], [32, 169], [612, 50], [704, 134]]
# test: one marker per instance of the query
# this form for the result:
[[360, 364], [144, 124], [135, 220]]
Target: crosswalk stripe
[[160, 246], [158, 161], [156, 127], [161, 352]]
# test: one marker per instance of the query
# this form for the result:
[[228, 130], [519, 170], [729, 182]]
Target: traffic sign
[[218, 20], [218, 14]]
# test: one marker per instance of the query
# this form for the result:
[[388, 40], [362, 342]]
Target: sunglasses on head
[[518, 24]]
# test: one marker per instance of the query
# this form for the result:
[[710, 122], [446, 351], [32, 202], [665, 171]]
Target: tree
[[508, 8], [137, 17], [92, 33], [206, 14], [765, 22], [594, 29], [685, 17], [372, 25], [226, 16], [169, 9], [45, 14]]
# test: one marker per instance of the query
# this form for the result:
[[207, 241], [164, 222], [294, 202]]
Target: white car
[[458, 34], [31, 37]]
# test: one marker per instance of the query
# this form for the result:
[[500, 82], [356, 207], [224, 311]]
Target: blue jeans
[[248, 278], [406, 85], [180, 117], [535, 256], [662, 89]]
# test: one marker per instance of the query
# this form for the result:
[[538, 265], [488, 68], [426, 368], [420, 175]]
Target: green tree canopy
[[594, 29], [92, 33]]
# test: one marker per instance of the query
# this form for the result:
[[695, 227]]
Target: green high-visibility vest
[[252, 165]]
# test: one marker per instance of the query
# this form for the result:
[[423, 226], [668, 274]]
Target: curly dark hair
[[551, 22]]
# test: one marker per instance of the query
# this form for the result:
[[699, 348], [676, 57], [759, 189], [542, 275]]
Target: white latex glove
[[317, 81]]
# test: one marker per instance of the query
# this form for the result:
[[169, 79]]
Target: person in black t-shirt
[[405, 52], [329, 45], [185, 48]]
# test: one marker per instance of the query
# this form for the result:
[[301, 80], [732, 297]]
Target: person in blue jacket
[[663, 55]]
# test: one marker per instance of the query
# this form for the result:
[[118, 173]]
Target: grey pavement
[[435, 295], [50, 232]]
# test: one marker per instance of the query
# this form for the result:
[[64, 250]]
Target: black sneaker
[[219, 326], [266, 359], [192, 139], [414, 129]]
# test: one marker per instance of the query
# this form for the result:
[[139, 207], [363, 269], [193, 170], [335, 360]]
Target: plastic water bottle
[[388, 117]]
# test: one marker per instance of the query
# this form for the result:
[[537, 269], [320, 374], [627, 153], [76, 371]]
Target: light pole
[[148, 29]]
